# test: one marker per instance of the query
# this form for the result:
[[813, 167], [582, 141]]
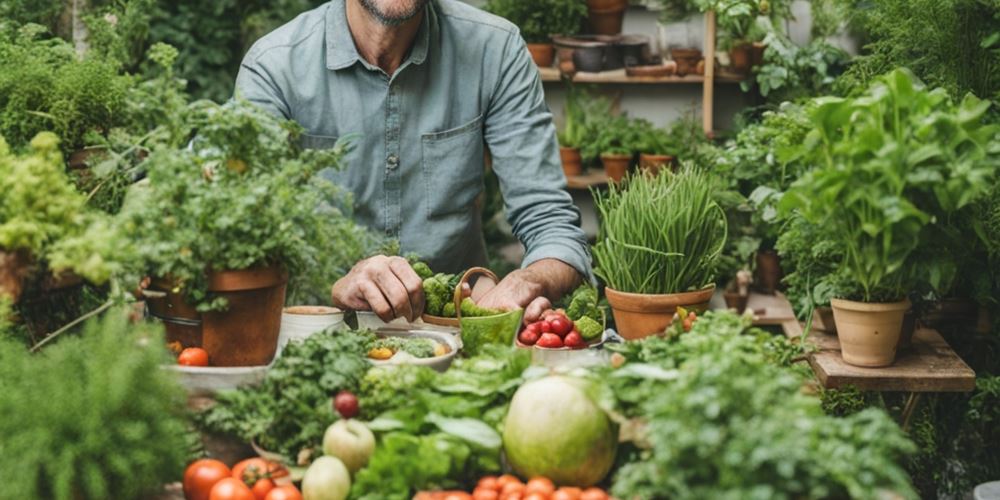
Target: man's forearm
[[556, 277]]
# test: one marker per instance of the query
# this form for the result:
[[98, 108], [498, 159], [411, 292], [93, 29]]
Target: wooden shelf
[[591, 178], [928, 365], [619, 77], [768, 310]]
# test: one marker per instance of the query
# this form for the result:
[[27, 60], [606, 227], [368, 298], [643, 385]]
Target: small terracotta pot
[[640, 315], [616, 166], [572, 162], [823, 320], [686, 59], [757, 53], [606, 16], [740, 57], [15, 267], [768, 271], [869, 332], [181, 321], [653, 163], [542, 53], [736, 301], [565, 57], [246, 332]]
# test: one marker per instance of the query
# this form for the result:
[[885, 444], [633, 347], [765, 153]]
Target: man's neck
[[381, 45]]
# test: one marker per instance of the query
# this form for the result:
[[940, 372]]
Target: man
[[419, 86]]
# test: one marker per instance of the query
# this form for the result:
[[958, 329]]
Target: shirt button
[[392, 162]]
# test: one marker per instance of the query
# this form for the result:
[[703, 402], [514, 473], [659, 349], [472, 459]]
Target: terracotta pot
[[653, 163], [14, 269], [869, 332], [757, 53], [572, 163], [565, 57], [246, 333], [606, 16], [78, 159], [736, 301], [823, 320], [740, 57], [686, 59], [542, 53], [909, 328], [180, 320], [640, 315], [768, 271], [616, 166]]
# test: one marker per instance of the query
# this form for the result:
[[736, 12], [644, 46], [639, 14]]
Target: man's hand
[[529, 288], [387, 286]]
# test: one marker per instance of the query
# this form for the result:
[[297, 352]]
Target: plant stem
[[73, 323]]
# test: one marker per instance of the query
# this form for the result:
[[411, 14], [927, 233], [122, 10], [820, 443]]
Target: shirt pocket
[[452, 168]]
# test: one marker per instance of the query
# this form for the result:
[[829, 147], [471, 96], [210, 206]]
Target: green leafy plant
[[661, 234], [537, 20], [616, 136], [738, 19], [724, 412], [242, 195], [92, 416], [653, 140], [791, 72], [584, 115]]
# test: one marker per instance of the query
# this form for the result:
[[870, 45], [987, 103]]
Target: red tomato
[[593, 494], [561, 326], [284, 492], [231, 488], [481, 493], [528, 337], [542, 485], [489, 483], [574, 341], [201, 475], [511, 488], [457, 495], [346, 404], [535, 496], [506, 479], [567, 493], [252, 469], [549, 340], [534, 327], [545, 327], [193, 356], [261, 488]]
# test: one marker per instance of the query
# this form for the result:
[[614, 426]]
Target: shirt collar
[[341, 51]]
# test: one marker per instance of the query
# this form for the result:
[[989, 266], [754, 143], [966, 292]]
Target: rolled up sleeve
[[522, 142], [255, 84]]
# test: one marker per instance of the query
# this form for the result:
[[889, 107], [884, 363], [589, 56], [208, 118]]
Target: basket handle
[[472, 271]]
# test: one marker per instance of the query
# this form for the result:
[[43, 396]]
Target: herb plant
[[584, 116], [791, 72], [93, 416], [537, 20], [661, 234]]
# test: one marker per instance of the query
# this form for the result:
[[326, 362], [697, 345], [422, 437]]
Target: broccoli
[[422, 269], [436, 293], [448, 311], [583, 303], [471, 310], [588, 328]]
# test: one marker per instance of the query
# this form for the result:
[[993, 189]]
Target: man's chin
[[393, 12]]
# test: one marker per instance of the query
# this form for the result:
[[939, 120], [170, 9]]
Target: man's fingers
[[412, 283], [534, 311], [395, 292], [377, 302], [483, 287]]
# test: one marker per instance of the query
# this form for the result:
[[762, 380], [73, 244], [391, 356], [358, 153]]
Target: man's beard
[[393, 18]]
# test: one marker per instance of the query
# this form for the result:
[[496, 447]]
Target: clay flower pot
[[572, 162], [740, 57], [869, 332], [640, 315], [768, 271], [606, 16], [543, 54], [687, 60], [616, 166], [823, 320], [736, 301], [14, 268], [653, 163], [757, 53], [181, 320]]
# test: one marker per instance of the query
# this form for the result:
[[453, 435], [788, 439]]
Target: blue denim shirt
[[419, 135]]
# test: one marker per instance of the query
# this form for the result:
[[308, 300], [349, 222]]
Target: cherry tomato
[[457, 495], [574, 341], [528, 337], [284, 492], [201, 475], [489, 483], [561, 326], [567, 493], [261, 488], [512, 487], [506, 479], [481, 493], [535, 496], [593, 494], [193, 356], [252, 469], [549, 340], [541, 485], [346, 404], [545, 327], [230, 488]]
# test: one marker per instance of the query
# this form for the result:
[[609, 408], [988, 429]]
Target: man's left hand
[[528, 288]]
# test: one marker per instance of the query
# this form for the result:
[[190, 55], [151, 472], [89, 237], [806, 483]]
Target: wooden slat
[[593, 177], [708, 89], [619, 77], [928, 365]]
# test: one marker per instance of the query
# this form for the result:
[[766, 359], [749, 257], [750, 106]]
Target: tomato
[[549, 340], [284, 492], [489, 483], [574, 341], [457, 495], [536, 328], [545, 327], [231, 488], [593, 494], [261, 488], [535, 496], [528, 337], [567, 493], [506, 479], [481, 493], [346, 404], [252, 469], [561, 326], [193, 356], [512, 487], [201, 475], [541, 485]]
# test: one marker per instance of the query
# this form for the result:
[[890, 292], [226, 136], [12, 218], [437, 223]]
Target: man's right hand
[[387, 286]]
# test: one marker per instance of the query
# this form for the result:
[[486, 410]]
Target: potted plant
[[656, 148], [574, 133], [223, 223], [658, 246], [738, 20], [606, 16], [675, 24], [539, 20], [615, 144]]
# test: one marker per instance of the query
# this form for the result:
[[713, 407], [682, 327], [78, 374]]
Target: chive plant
[[659, 234]]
